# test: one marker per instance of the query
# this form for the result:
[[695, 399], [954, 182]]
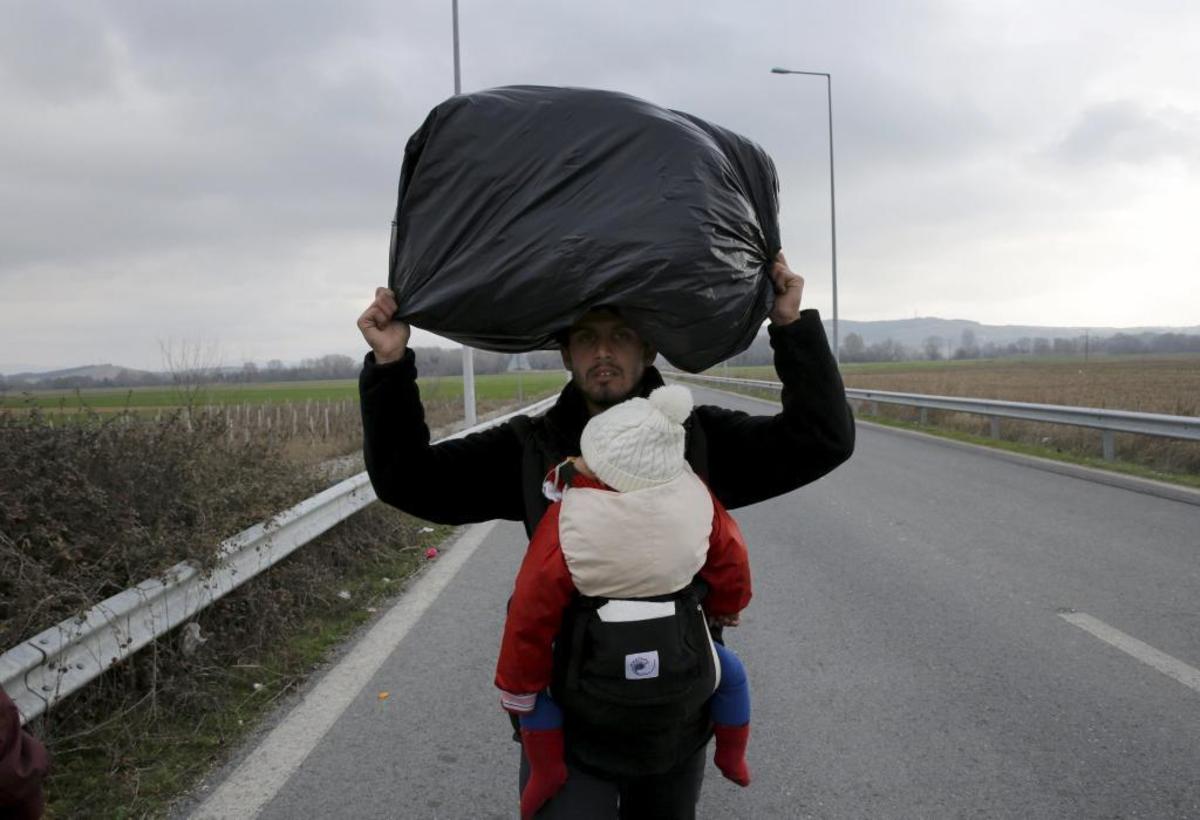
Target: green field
[[497, 387], [491, 387]]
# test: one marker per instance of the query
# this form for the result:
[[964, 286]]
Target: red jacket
[[546, 584], [23, 764]]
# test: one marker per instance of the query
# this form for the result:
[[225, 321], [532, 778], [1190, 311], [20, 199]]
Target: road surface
[[935, 632]]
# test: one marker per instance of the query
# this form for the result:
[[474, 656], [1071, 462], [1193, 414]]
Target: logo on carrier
[[641, 665]]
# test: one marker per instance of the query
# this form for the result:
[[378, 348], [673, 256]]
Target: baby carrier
[[633, 677]]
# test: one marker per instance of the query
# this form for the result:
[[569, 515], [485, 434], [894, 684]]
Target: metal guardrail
[[1108, 422], [40, 671]]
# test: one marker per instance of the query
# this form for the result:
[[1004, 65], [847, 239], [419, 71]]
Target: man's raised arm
[[753, 458], [476, 478]]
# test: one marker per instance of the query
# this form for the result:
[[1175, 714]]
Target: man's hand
[[388, 337], [788, 287]]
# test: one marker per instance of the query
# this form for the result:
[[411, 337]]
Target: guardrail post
[[1110, 445], [924, 416], [874, 408], [995, 420]]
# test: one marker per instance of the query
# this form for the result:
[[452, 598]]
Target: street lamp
[[468, 354], [832, 210]]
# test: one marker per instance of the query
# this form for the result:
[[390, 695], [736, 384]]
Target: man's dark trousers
[[669, 796]]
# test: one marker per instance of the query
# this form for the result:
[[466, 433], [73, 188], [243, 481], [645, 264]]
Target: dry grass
[[145, 732], [1168, 385], [100, 503], [96, 503], [1164, 385]]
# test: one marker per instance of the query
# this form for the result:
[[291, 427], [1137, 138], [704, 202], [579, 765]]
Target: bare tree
[[889, 350], [853, 348], [192, 366], [968, 347]]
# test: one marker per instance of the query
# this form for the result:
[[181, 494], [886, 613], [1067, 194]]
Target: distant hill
[[96, 372], [914, 332], [906, 339]]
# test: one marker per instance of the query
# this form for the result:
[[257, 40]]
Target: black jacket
[[498, 473]]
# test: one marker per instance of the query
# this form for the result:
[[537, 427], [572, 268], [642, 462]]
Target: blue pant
[[730, 704]]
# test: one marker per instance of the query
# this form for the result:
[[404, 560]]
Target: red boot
[[731, 752], [547, 769]]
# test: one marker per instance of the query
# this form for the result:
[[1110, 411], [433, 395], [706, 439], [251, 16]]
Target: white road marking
[[1187, 675], [261, 775]]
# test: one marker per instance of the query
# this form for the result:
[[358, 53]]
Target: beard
[[604, 396], [607, 396]]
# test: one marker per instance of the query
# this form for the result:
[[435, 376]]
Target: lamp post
[[832, 209], [468, 354]]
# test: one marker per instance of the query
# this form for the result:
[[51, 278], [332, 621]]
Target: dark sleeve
[[753, 458], [476, 478], [23, 765]]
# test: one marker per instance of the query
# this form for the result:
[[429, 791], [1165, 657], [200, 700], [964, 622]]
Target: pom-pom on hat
[[639, 443]]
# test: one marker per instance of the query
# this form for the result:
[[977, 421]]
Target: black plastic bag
[[520, 208]]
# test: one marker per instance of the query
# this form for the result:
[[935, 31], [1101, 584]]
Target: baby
[[631, 521]]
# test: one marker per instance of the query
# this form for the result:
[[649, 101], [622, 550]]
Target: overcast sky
[[224, 173]]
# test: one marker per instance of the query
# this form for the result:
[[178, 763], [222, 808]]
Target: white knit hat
[[639, 442]]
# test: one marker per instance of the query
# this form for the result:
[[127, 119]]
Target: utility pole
[[832, 206], [468, 355]]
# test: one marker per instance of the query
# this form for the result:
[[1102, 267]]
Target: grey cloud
[[274, 144], [256, 119], [233, 44], [216, 142], [1128, 132], [56, 53]]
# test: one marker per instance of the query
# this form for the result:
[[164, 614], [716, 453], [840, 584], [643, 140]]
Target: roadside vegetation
[[1151, 384], [103, 499]]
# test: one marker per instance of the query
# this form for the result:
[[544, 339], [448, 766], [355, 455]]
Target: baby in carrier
[[631, 522]]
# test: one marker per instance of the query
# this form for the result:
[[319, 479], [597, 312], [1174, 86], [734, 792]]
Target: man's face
[[606, 358]]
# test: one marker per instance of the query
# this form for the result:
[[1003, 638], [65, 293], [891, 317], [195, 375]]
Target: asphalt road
[[936, 632]]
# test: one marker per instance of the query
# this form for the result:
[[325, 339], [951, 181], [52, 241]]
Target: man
[[498, 473]]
